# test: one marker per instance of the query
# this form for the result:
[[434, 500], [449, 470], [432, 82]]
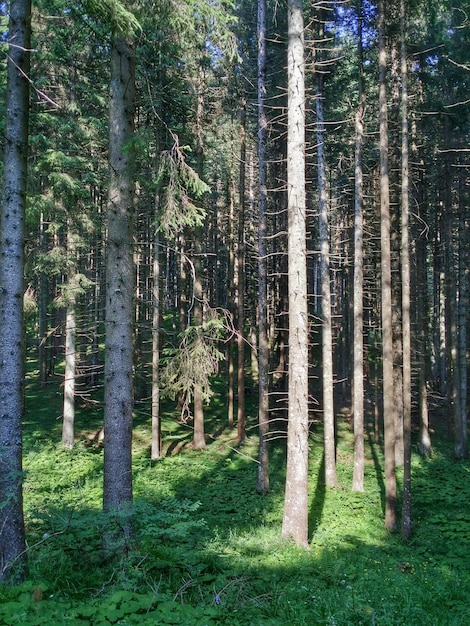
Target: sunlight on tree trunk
[[358, 295], [295, 519], [406, 289]]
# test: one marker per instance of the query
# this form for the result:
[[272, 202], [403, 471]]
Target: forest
[[234, 293]]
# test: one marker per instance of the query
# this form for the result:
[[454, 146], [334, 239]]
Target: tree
[[386, 288], [118, 376], [262, 485], [325, 280], [358, 282], [405, 281], [12, 533], [295, 519]]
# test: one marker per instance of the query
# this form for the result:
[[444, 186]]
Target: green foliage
[[189, 367], [176, 183], [113, 14], [206, 546]]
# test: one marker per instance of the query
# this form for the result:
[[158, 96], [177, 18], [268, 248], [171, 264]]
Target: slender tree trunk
[[295, 519], [199, 437], [231, 287], [327, 335], [461, 432], [241, 283], [156, 421], [358, 284], [262, 485], [42, 310], [424, 442], [68, 418], [118, 377], [386, 290], [12, 532], [406, 289]]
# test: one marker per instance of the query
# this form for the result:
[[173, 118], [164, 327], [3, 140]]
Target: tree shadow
[[377, 468], [318, 502]]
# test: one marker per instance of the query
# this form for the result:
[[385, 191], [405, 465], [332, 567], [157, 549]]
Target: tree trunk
[[12, 532], [118, 377], [262, 485], [295, 519], [241, 283], [156, 420], [461, 434], [358, 286], [327, 335], [68, 418], [199, 437], [406, 290], [386, 290]]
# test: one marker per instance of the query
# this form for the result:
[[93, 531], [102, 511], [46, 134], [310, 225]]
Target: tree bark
[[262, 485], [327, 334], [241, 284], [118, 391], [199, 437], [386, 289], [405, 285], [12, 532], [156, 296], [461, 432], [295, 519], [68, 417], [358, 282]]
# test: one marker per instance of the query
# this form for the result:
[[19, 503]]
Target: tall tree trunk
[[386, 289], [231, 298], [12, 532], [42, 310], [406, 289], [327, 335], [461, 433], [199, 437], [118, 376], [156, 293], [241, 282], [358, 285], [295, 519], [68, 417], [262, 484]]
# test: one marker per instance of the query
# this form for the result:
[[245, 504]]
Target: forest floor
[[207, 547]]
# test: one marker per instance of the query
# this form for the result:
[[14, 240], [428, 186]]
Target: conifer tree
[[13, 199]]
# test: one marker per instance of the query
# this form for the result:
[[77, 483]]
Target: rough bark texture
[[241, 411], [327, 333], [406, 289], [358, 315], [461, 428], [118, 399], [295, 520], [262, 484], [386, 290], [12, 535], [156, 420], [199, 437]]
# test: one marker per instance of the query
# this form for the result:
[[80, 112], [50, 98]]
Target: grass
[[207, 547]]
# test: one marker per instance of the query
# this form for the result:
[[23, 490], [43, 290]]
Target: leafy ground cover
[[207, 548]]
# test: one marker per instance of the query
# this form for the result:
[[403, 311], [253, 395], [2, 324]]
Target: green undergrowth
[[206, 548]]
